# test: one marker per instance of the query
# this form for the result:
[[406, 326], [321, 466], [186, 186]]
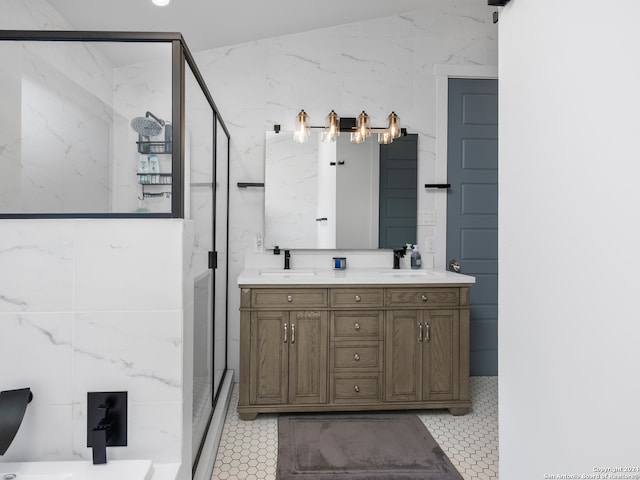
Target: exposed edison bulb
[[331, 127], [301, 127], [161, 3], [385, 138], [356, 137], [394, 125], [363, 126]]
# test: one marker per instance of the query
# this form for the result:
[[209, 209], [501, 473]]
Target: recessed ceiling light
[[161, 3]]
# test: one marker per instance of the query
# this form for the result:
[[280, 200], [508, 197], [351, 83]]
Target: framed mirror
[[340, 195]]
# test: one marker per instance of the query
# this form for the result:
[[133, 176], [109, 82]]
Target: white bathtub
[[80, 470]]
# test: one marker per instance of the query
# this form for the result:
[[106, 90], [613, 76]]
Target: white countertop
[[355, 276]]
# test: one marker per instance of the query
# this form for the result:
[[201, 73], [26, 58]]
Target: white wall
[[379, 66], [569, 257]]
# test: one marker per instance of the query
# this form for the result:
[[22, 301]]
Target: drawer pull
[[285, 333], [424, 297], [356, 357], [419, 332], [293, 333], [356, 388], [289, 298], [358, 298], [356, 326], [427, 336]]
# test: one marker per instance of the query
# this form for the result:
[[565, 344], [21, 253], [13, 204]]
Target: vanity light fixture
[[360, 128], [161, 3], [301, 127]]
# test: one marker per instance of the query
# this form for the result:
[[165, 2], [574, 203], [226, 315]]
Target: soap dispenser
[[405, 262], [416, 258]]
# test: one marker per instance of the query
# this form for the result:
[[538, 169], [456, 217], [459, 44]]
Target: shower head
[[146, 126]]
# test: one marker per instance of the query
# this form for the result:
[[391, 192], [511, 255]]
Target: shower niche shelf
[[148, 146], [154, 179]]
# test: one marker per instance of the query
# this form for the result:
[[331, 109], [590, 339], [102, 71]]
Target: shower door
[[206, 187]]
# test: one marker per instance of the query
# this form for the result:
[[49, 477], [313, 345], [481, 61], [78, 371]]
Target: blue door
[[472, 208]]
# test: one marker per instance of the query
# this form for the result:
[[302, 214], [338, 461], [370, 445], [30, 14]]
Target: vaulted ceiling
[[207, 24]]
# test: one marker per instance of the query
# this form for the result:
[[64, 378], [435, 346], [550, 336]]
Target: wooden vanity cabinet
[[354, 348], [288, 357]]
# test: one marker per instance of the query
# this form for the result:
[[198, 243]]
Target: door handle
[[454, 266], [285, 333], [420, 332], [293, 333]]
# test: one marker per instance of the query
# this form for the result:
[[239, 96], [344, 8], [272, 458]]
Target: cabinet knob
[[356, 357], [356, 388], [424, 297], [356, 326], [358, 298], [289, 298]]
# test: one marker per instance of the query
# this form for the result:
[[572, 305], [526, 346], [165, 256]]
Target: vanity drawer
[[423, 297], [357, 297], [305, 298], [358, 388], [356, 355], [355, 324]]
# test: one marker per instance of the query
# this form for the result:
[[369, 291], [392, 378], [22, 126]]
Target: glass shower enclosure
[[122, 125]]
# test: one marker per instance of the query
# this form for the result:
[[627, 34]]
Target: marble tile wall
[[378, 65], [94, 305]]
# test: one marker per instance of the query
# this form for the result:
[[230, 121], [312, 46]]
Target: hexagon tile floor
[[249, 450]]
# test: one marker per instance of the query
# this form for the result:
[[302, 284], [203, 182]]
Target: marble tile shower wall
[[55, 134], [96, 305], [378, 65]]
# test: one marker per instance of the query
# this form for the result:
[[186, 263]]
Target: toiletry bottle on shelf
[[405, 262], [416, 258], [154, 169], [143, 169]]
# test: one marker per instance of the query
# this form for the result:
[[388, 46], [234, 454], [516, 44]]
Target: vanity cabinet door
[[403, 356], [308, 345], [441, 355], [269, 357], [422, 355], [288, 357]]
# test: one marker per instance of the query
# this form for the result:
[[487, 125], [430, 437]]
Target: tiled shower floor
[[249, 450]]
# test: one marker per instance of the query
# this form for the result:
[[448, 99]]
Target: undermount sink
[[287, 273]]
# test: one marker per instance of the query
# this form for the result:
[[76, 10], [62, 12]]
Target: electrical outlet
[[428, 245], [259, 243], [427, 217]]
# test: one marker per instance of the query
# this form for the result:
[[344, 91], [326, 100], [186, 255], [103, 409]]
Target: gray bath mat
[[359, 446]]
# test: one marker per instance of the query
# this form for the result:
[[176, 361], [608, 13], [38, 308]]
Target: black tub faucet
[[287, 260], [398, 253], [100, 435], [13, 404], [106, 422]]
